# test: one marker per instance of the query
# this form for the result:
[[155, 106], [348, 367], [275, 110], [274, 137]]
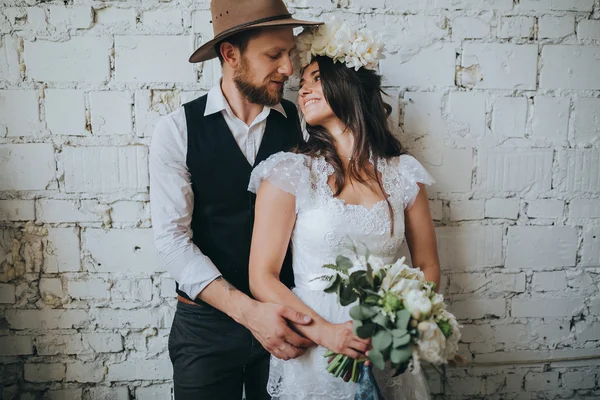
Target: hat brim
[[207, 50]]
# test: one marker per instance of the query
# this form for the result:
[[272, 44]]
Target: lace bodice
[[326, 226]]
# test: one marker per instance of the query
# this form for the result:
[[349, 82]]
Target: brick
[[129, 211], [588, 30], [481, 246], [590, 249], [578, 380], [46, 319], [555, 27], [44, 372], [105, 169], [567, 67], [469, 28], [578, 171], [514, 170], [423, 114], [16, 161], [150, 105], [512, 335], [15, 345], [51, 287], [17, 210], [104, 342], [131, 290], [89, 289], [516, 27], [499, 66], [514, 283], [467, 210], [163, 20], [112, 113], [502, 208], [478, 308], [64, 394], [19, 113], [109, 393], [154, 392], [435, 207], [544, 247], [61, 211], [146, 370], [551, 118], [476, 333], [431, 67], [201, 24], [549, 281], [467, 113], [494, 283], [407, 34], [51, 345], [509, 117], [78, 59], [73, 17], [546, 307], [541, 381], [167, 287], [504, 5], [116, 17], [453, 180], [122, 250], [584, 208], [556, 5], [587, 121], [7, 294], [9, 58], [545, 208], [590, 332], [85, 372], [156, 53], [134, 319], [61, 253], [65, 112]]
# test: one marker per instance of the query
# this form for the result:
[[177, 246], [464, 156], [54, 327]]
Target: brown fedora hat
[[233, 16]]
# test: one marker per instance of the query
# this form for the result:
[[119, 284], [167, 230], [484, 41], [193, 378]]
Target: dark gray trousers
[[214, 357]]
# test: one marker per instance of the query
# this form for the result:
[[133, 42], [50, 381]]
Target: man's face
[[265, 66]]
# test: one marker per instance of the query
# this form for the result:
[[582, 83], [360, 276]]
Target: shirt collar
[[217, 102]]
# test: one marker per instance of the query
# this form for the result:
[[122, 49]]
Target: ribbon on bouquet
[[367, 386]]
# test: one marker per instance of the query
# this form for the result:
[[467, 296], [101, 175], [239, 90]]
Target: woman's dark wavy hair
[[356, 99]]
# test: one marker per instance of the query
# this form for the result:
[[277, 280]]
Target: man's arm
[[172, 200]]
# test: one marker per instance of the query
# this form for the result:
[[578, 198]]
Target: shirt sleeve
[[172, 202], [412, 173]]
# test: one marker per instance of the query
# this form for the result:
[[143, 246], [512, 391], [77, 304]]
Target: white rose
[[437, 304], [405, 285], [417, 303], [431, 343]]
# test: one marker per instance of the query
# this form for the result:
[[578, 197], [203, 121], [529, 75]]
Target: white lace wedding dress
[[326, 227]]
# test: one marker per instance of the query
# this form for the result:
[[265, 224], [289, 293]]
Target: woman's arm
[[420, 236], [275, 216]]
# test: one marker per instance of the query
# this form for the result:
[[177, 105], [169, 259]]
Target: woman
[[349, 183]]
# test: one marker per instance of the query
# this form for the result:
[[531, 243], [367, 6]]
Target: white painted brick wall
[[498, 98]]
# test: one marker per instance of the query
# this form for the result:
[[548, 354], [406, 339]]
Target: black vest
[[223, 215]]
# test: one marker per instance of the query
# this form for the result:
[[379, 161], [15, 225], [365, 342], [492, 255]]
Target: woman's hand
[[340, 339]]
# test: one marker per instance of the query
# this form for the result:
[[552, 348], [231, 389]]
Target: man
[[200, 164]]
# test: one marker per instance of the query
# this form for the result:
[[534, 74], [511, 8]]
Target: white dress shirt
[[171, 196]]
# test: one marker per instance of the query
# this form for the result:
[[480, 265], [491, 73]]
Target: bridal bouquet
[[398, 309]]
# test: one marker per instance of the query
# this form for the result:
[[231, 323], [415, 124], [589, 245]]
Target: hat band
[[247, 24]]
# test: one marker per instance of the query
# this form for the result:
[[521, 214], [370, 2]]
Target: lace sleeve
[[284, 170], [412, 173]]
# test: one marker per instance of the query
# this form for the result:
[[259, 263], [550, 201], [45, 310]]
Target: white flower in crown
[[340, 42]]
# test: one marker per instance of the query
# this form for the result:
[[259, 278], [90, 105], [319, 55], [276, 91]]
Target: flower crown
[[357, 48]]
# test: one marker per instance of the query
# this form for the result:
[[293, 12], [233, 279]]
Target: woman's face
[[311, 100]]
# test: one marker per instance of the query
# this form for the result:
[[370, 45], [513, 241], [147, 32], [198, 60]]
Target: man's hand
[[268, 323]]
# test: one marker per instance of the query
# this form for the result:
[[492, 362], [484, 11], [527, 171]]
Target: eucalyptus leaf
[[402, 318], [381, 319], [343, 263], [356, 313], [401, 341], [382, 340], [347, 295], [371, 300], [366, 331], [401, 355], [377, 358], [334, 286], [398, 332], [356, 324]]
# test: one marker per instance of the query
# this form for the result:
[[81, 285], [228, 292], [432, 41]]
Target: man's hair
[[239, 40]]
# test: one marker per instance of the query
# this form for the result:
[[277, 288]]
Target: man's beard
[[253, 93]]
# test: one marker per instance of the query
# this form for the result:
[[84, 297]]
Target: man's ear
[[231, 54]]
